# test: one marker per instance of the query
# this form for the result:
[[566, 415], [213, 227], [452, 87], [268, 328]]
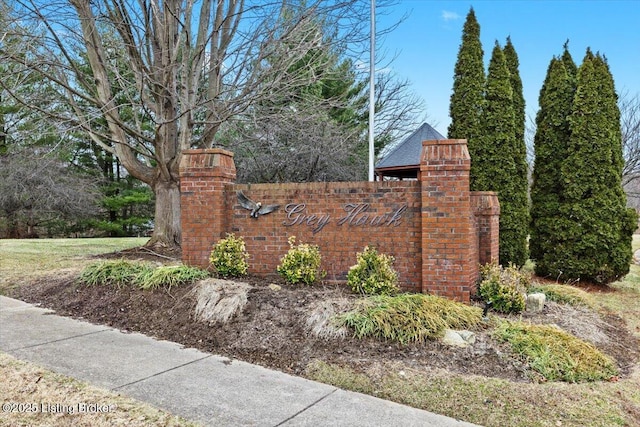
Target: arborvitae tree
[[521, 181], [498, 161], [609, 96], [569, 63], [513, 64], [597, 226], [465, 108], [550, 144]]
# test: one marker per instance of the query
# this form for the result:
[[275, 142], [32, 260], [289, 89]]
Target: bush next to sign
[[301, 264], [373, 274], [229, 257], [504, 288]]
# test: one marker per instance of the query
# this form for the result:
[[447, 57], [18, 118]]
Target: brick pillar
[[486, 209], [204, 176], [449, 248]]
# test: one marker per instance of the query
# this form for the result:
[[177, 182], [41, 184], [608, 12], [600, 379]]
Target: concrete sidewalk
[[198, 386]]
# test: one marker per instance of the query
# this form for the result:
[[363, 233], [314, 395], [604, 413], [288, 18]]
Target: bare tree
[[318, 132], [298, 144], [37, 189], [163, 76], [398, 110], [630, 123]]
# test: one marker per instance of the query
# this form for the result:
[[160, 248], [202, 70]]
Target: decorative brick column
[[486, 209], [205, 175], [449, 244]]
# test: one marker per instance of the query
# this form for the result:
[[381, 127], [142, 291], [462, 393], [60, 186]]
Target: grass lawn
[[29, 259]]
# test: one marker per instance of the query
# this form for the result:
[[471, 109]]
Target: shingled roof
[[404, 159]]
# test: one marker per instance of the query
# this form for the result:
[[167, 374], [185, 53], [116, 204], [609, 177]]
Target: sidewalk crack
[[305, 408], [59, 340], [161, 372]]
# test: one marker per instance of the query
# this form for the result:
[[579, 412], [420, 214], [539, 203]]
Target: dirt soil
[[272, 328]]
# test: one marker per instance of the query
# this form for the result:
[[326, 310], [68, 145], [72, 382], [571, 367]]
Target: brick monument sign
[[437, 230]]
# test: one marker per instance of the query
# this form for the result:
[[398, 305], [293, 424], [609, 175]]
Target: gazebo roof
[[406, 155]]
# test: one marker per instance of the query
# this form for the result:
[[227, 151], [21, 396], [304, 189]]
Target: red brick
[[435, 243]]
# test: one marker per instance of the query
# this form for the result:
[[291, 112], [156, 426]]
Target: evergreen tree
[[513, 64], [550, 145], [597, 236], [498, 159], [465, 108], [521, 181], [567, 60]]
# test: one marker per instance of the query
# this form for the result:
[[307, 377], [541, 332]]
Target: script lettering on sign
[[297, 215], [356, 215]]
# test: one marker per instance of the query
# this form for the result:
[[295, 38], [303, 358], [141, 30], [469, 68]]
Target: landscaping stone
[[468, 336], [275, 287], [455, 338], [535, 302]]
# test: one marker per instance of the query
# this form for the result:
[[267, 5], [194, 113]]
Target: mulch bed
[[271, 330]]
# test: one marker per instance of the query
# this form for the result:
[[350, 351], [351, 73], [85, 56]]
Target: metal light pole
[[372, 65]]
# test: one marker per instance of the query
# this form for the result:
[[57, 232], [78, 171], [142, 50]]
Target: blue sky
[[426, 44]]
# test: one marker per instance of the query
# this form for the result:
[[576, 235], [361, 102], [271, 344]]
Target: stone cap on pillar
[[213, 162], [445, 154], [485, 203]]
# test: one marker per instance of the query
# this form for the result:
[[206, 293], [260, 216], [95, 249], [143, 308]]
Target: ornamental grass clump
[[229, 257], [124, 273], [119, 273], [373, 274], [504, 288], [555, 355], [169, 276], [409, 318], [565, 294], [301, 263]]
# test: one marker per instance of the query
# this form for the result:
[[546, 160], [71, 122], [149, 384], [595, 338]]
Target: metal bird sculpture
[[256, 208]]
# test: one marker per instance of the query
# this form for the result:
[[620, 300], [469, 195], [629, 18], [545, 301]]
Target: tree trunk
[[166, 233]]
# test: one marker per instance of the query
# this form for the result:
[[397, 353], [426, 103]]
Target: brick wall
[[341, 218], [486, 209], [430, 226]]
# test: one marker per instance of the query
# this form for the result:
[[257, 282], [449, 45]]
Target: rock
[[218, 300], [454, 338], [468, 336], [535, 302], [275, 287]]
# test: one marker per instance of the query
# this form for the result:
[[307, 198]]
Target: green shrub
[[409, 318], [229, 257], [373, 274], [504, 288], [301, 264], [168, 277], [554, 354], [118, 273]]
